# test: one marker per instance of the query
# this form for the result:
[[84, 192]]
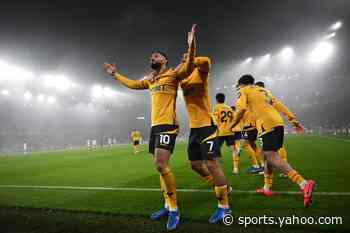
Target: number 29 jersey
[[224, 116]]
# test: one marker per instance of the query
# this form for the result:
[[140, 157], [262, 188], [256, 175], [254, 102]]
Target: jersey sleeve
[[186, 68], [280, 107], [241, 103], [216, 113], [203, 64], [132, 84]]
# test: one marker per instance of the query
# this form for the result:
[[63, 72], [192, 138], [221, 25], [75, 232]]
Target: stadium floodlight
[[322, 51], [248, 60], [329, 36], [49, 80], [59, 82], [13, 73], [287, 53], [97, 91], [263, 60], [25, 75], [63, 83], [266, 56], [336, 25], [27, 95], [108, 92], [40, 98], [5, 92], [51, 99]]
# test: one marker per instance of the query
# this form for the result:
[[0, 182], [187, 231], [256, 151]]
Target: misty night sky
[[76, 38]]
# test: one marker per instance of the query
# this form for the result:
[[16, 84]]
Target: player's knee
[[161, 159], [160, 166]]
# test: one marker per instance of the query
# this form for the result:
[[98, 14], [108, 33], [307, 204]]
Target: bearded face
[[157, 60]]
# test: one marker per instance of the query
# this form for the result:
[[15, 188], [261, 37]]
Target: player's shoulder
[[170, 72], [202, 63], [251, 89], [202, 59], [169, 75], [227, 107], [219, 106]]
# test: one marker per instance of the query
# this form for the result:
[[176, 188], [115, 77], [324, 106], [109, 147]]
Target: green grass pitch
[[326, 160]]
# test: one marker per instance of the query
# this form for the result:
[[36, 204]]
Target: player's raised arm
[[187, 67], [133, 84]]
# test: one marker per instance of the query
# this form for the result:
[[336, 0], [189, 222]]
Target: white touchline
[[158, 190]]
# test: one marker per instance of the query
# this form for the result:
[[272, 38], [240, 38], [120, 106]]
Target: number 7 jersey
[[224, 116]]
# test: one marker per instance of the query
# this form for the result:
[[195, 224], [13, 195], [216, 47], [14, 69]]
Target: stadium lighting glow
[[336, 25], [59, 82], [40, 98], [329, 36], [263, 60], [248, 60], [51, 99], [107, 92], [287, 53], [322, 51], [27, 95], [13, 73], [266, 56], [63, 83], [5, 92], [97, 91]]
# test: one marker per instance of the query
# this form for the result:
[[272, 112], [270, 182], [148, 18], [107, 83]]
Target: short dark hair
[[246, 79], [260, 84], [163, 54], [220, 97], [233, 108]]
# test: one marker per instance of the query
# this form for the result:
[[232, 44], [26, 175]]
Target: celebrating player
[[203, 148], [163, 84], [270, 127], [282, 109], [135, 138], [224, 116]]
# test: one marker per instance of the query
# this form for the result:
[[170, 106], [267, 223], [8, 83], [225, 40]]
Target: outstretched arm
[[280, 107], [133, 84]]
